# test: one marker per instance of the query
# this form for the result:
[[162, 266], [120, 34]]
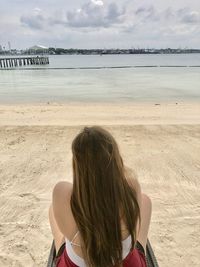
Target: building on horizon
[[38, 49]]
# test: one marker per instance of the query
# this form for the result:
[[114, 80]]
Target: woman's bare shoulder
[[133, 182], [132, 178], [62, 189], [61, 206]]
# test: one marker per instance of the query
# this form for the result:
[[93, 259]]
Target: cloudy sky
[[100, 23]]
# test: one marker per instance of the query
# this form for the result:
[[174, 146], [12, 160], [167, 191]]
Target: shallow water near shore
[[110, 78]]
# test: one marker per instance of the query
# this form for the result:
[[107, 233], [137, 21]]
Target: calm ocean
[[107, 78]]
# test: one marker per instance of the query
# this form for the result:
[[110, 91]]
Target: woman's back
[[102, 205], [71, 253], [63, 190], [68, 258]]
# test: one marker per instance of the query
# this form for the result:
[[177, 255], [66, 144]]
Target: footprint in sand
[[19, 140], [30, 196]]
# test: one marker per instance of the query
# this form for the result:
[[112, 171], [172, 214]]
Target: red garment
[[134, 259]]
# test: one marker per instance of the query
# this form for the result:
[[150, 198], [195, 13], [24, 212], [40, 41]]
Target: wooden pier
[[13, 62]]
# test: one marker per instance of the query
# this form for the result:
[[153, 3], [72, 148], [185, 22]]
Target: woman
[[102, 219]]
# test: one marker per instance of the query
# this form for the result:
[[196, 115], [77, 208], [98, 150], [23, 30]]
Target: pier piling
[[8, 63]]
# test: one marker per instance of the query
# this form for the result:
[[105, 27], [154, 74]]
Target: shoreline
[[79, 113], [103, 102]]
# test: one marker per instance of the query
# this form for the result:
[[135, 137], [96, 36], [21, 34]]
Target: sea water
[[107, 78]]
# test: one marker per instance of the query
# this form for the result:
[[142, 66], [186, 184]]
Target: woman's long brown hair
[[101, 194]]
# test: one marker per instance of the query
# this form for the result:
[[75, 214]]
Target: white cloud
[[99, 23], [97, 2], [37, 10], [162, 21], [35, 21], [190, 17], [94, 14], [148, 13]]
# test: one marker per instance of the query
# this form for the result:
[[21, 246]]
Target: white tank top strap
[[79, 261], [72, 241]]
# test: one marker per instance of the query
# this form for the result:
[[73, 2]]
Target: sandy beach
[[160, 141]]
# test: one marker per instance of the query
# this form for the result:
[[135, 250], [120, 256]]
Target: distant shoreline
[[73, 51]]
